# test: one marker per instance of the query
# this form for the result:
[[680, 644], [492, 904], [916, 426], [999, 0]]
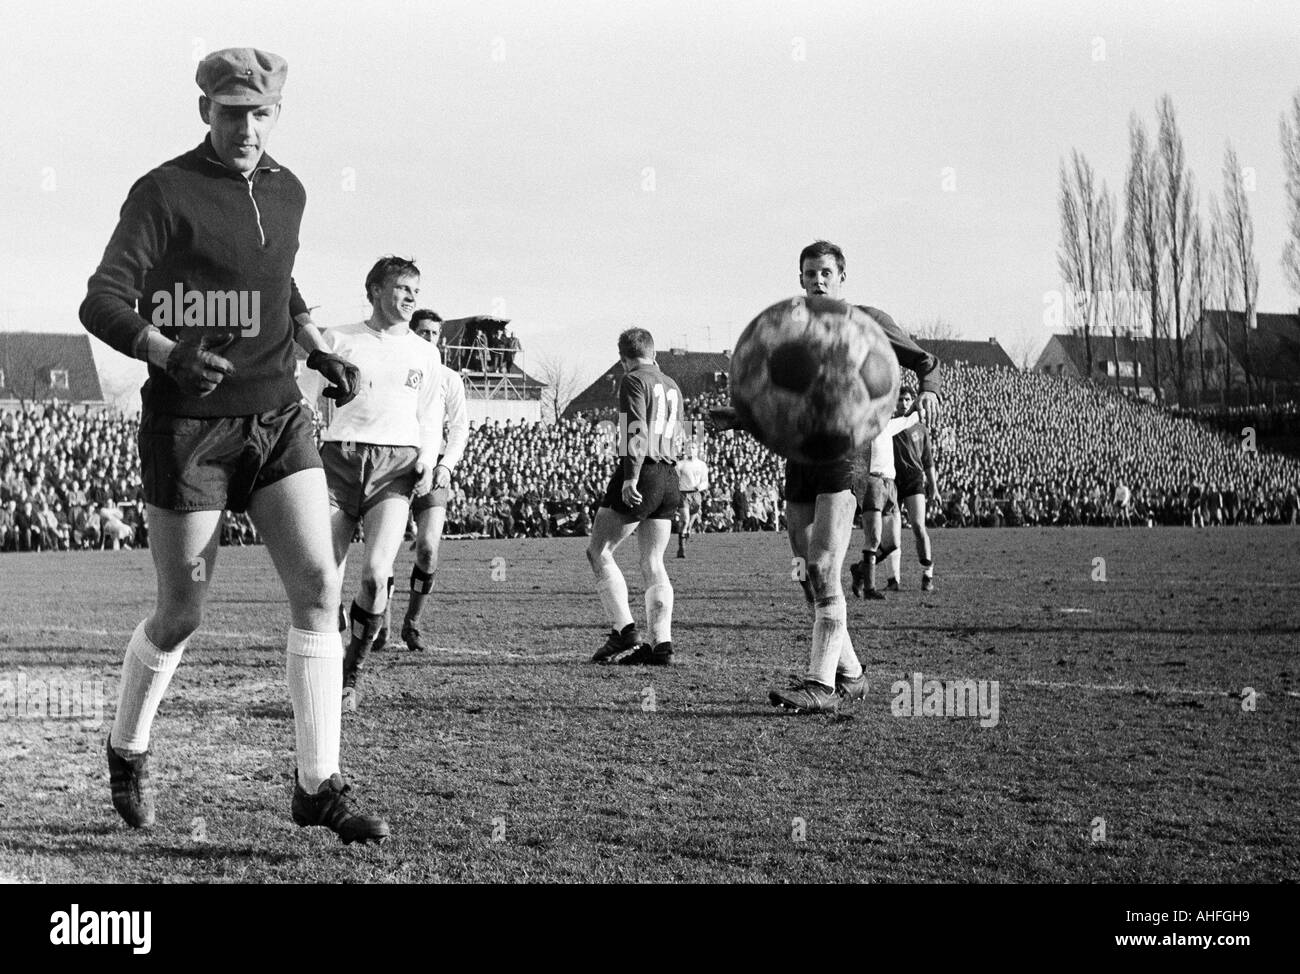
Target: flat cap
[[242, 76]]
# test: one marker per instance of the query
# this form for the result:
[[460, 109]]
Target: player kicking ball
[[430, 510], [642, 497], [214, 232], [692, 480], [917, 483], [380, 448], [820, 508]]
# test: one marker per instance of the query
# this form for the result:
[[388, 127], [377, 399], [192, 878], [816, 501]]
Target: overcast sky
[[584, 167]]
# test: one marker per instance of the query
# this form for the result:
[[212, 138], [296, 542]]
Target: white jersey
[[405, 394], [882, 447], [692, 474]]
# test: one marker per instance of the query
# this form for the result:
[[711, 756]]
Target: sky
[[585, 167]]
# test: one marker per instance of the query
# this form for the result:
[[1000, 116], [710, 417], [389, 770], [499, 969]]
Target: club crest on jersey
[[413, 378]]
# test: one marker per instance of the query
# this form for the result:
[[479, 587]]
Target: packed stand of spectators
[[69, 479], [1014, 449], [1029, 448]]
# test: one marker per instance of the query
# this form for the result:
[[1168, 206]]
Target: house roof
[[27, 359], [987, 355], [1103, 350], [694, 373], [1274, 344]]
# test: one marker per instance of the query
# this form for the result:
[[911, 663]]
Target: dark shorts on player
[[879, 494], [804, 481], [660, 493], [360, 475], [437, 497], [691, 499], [909, 485], [217, 463]]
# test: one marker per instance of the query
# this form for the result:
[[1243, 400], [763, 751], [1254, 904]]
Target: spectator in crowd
[[8, 525]]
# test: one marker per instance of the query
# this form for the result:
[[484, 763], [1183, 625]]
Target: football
[[814, 379]]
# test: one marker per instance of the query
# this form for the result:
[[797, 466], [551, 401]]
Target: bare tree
[[1239, 239], [1076, 256], [1201, 282], [562, 384], [937, 330], [1144, 200], [1290, 130], [1108, 271], [1177, 229], [1223, 279], [1025, 348]]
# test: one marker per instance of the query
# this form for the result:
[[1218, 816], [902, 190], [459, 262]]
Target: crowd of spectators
[[69, 479], [1030, 448], [1015, 448]]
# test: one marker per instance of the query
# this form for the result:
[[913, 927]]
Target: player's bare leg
[[916, 508], [293, 517], [684, 522], [833, 666], [652, 537], [184, 550], [385, 525], [893, 533], [799, 521], [428, 540], [343, 528], [609, 530]]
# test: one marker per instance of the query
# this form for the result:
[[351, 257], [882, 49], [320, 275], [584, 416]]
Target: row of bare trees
[[1157, 272]]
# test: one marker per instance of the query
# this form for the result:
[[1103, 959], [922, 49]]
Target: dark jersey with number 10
[[649, 410]]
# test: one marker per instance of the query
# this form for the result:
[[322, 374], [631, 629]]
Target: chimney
[[993, 341]]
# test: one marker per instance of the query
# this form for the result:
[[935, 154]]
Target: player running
[[380, 448], [430, 510], [642, 496], [692, 480], [204, 249], [916, 482], [878, 498], [819, 514]]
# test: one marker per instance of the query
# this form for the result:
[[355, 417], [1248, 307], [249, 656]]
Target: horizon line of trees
[[1166, 251]]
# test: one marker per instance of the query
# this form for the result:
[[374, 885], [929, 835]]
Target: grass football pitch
[[1148, 725]]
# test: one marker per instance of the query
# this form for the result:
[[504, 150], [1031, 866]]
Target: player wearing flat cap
[[197, 280]]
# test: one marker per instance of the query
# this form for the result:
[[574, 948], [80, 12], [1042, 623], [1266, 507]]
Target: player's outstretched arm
[[912, 356]]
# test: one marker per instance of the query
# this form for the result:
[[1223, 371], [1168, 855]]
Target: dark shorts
[[434, 498], [879, 494], [660, 494], [691, 499], [360, 475], [909, 485], [218, 463], [804, 481]]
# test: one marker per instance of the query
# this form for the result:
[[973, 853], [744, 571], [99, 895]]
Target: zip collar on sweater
[[266, 164]]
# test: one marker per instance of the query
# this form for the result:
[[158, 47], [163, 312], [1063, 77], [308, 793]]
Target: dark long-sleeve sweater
[[203, 253], [910, 355]]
